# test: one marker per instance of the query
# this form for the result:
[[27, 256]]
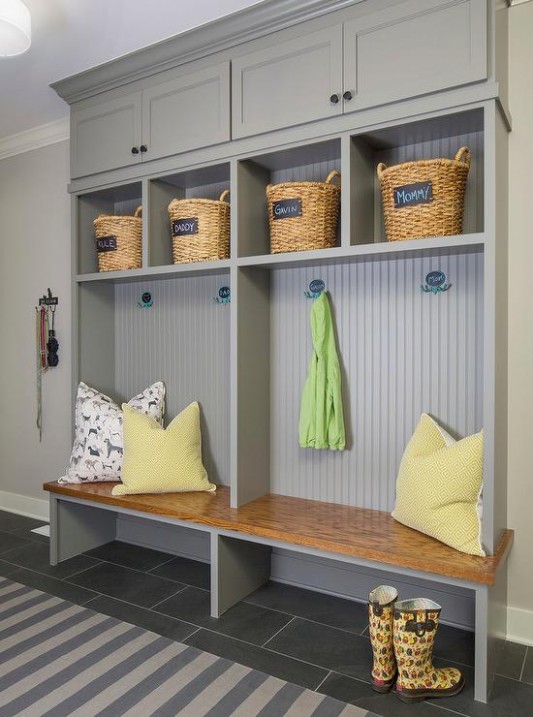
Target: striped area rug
[[63, 660]]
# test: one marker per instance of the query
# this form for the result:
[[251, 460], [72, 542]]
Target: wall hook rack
[[436, 282], [316, 287], [224, 295], [146, 300]]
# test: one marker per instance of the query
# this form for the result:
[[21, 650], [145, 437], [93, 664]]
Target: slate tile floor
[[311, 639]]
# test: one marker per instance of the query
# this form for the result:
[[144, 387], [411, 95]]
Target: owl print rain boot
[[380, 612], [415, 626]]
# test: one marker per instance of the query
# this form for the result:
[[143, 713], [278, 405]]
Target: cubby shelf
[[203, 268]]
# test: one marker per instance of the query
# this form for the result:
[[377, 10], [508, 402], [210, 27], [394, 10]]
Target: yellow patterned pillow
[[162, 461], [439, 484]]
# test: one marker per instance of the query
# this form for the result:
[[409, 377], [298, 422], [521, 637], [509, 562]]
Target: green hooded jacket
[[321, 414]]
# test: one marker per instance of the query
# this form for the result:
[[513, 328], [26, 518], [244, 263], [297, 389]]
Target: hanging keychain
[[47, 347]]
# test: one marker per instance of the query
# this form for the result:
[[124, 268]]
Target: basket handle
[[464, 155], [224, 194], [380, 169], [138, 212], [331, 176]]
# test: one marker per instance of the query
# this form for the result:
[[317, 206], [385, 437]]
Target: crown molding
[[221, 34], [34, 138]]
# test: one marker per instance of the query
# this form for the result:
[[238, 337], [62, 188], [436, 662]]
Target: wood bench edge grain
[[337, 529]]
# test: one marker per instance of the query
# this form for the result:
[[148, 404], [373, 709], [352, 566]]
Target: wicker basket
[[303, 215], [118, 241], [425, 198], [200, 229]]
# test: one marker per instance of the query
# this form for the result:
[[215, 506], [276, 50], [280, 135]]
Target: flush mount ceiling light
[[15, 28]]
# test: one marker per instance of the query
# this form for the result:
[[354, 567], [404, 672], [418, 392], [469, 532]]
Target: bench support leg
[[237, 569], [76, 528], [491, 630]]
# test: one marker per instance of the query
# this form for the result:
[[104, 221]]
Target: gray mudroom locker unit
[[288, 90]]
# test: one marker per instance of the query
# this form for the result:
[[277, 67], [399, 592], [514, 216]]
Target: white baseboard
[[520, 625], [37, 508]]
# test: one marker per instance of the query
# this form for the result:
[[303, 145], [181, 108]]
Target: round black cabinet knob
[[334, 99], [144, 148], [135, 150], [347, 95]]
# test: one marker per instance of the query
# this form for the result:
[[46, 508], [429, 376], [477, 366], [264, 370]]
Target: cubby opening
[[308, 163], [403, 351], [202, 183], [122, 200], [181, 338], [424, 139]]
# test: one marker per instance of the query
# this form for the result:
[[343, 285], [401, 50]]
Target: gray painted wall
[[34, 255]]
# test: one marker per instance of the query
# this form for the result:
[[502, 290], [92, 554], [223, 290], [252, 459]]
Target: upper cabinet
[[106, 135], [165, 118], [288, 83], [414, 48], [402, 51]]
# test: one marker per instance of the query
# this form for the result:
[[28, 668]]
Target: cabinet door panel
[[187, 112], [288, 83], [414, 48], [102, 136]]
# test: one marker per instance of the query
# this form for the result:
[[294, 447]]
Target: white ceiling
[[73, 35]]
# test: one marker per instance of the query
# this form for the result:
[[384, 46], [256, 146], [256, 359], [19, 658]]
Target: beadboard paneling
[[182, 340], [402, 352]]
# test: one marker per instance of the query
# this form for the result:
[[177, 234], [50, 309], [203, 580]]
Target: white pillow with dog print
[[98, 443]]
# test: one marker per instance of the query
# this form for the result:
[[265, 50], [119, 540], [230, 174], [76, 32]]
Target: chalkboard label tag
[[287, 208], [411, 194], [106, 244], [49, 301], [185, 227]]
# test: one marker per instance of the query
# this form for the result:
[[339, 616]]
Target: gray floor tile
[[8, 542], [527, 675], [258, 658], [129, 556], [6, 569], [35, 556], [334, 649], [361, 694], [12, 521], [511, 661], [190, 572], [247, 622], [34, 537], [148, 619], [125, 584], [509, 698], [327, 609], [455, 645], [53, 586]]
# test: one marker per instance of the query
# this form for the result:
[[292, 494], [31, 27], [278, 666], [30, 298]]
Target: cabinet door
[[287, 83], [187, 112], [102, 136], [413, 48]]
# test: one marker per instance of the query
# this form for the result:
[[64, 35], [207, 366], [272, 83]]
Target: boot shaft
[[380, 614]]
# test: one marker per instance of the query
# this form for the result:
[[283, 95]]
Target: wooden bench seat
[[355, 532], [241, 540]]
